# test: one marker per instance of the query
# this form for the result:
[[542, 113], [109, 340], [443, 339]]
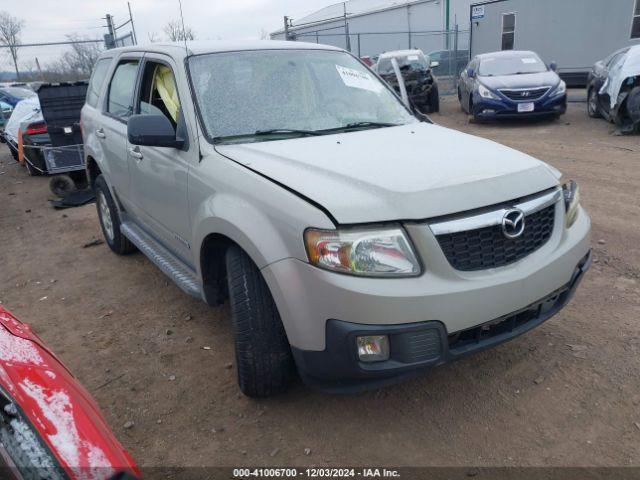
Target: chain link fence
[[450, 48]]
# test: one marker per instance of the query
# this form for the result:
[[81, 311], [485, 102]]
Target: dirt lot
[[565, 394]]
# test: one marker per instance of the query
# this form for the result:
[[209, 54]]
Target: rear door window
[[121, 89], [97, 80]]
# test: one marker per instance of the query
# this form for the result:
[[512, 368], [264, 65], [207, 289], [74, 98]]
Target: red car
[[50, 427]]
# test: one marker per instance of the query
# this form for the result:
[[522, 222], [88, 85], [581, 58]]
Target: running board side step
[[171, 266]]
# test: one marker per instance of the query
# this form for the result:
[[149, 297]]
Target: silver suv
[[357, 242]]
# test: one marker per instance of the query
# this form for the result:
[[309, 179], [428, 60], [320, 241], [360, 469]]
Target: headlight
[[363, 252], [486, 93], [561, 89], [571, 193]]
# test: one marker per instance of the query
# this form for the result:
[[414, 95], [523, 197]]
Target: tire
[[434, 99], [592, 104], [62, 186], [110, 219], [263, 355], [26, 451]]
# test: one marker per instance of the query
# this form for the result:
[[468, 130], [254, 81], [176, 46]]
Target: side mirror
[[553, 66], [471, 73], [152, 131], [435, 64]]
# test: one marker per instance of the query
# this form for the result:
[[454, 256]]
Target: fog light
[[488, 111], [374, 348]]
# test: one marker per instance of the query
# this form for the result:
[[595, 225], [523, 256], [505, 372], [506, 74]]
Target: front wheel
[[592, 104], [263, 356], [110, 219]]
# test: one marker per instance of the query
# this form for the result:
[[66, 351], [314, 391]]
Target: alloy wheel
[[105, 216]]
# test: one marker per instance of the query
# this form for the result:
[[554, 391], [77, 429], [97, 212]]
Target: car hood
[[409, 172], [530, 80]]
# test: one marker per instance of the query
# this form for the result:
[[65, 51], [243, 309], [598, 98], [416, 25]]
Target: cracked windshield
[[269, 95]]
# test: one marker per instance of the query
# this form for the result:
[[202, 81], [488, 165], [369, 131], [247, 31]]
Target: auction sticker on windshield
[[357, 79]]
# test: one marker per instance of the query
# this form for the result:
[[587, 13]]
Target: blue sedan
[[511, 84]]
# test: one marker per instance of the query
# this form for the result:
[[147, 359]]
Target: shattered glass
[[241, 93]]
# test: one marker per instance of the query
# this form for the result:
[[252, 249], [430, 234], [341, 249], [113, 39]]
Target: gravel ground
[[161, 363]]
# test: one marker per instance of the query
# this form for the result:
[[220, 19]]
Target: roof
[[401, 53], [507, 53], [354, 7], [177, 49]]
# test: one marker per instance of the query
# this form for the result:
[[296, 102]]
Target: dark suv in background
[[415, 68]]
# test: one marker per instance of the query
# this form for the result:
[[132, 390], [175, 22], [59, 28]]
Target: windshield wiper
[[266, 133], [310, 133], [353, 125], [276, 131]]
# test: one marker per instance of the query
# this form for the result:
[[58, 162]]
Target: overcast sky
[[47, 20]]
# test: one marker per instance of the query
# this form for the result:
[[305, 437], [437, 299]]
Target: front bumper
[[504, 108], [415, 348], [310, 300]]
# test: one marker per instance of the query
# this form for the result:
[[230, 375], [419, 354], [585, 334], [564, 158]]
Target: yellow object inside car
[[165, 84]]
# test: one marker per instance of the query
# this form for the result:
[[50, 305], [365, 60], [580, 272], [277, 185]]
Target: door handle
[[135, 153], [100, 133]]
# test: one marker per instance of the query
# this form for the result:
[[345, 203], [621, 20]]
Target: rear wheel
[[263, 355], [110, 219], [592, 104]]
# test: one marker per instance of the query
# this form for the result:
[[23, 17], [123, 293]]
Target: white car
[[357, 243]]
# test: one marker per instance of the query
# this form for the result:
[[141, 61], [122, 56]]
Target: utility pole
[[39, 69], [346, 27], [133, 27], [110, 38], [447, 20], [286, 28]]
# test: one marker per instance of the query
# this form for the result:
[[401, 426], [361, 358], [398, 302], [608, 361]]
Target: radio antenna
[[184, 31]]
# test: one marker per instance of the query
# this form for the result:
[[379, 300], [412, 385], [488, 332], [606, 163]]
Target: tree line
[[76, 63]]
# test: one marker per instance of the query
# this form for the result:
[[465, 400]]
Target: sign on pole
[[477, 12]]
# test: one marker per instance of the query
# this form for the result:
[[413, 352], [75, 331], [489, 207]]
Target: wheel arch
[[213, 267], [93, 170], [251, 231]]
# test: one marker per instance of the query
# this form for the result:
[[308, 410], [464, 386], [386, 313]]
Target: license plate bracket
[[526, 107]]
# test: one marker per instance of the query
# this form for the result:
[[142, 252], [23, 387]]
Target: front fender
[[266, 234]]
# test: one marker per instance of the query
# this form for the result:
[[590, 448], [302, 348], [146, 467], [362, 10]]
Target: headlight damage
[[366, 252], [571, 193]]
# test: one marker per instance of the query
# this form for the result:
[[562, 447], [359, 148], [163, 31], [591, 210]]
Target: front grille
[[488, 247], [525, 95]]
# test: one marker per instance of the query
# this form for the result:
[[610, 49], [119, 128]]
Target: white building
[[573, 34], [375, 26]]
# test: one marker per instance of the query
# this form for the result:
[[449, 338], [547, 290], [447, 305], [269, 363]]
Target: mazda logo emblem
[[513, 223]]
